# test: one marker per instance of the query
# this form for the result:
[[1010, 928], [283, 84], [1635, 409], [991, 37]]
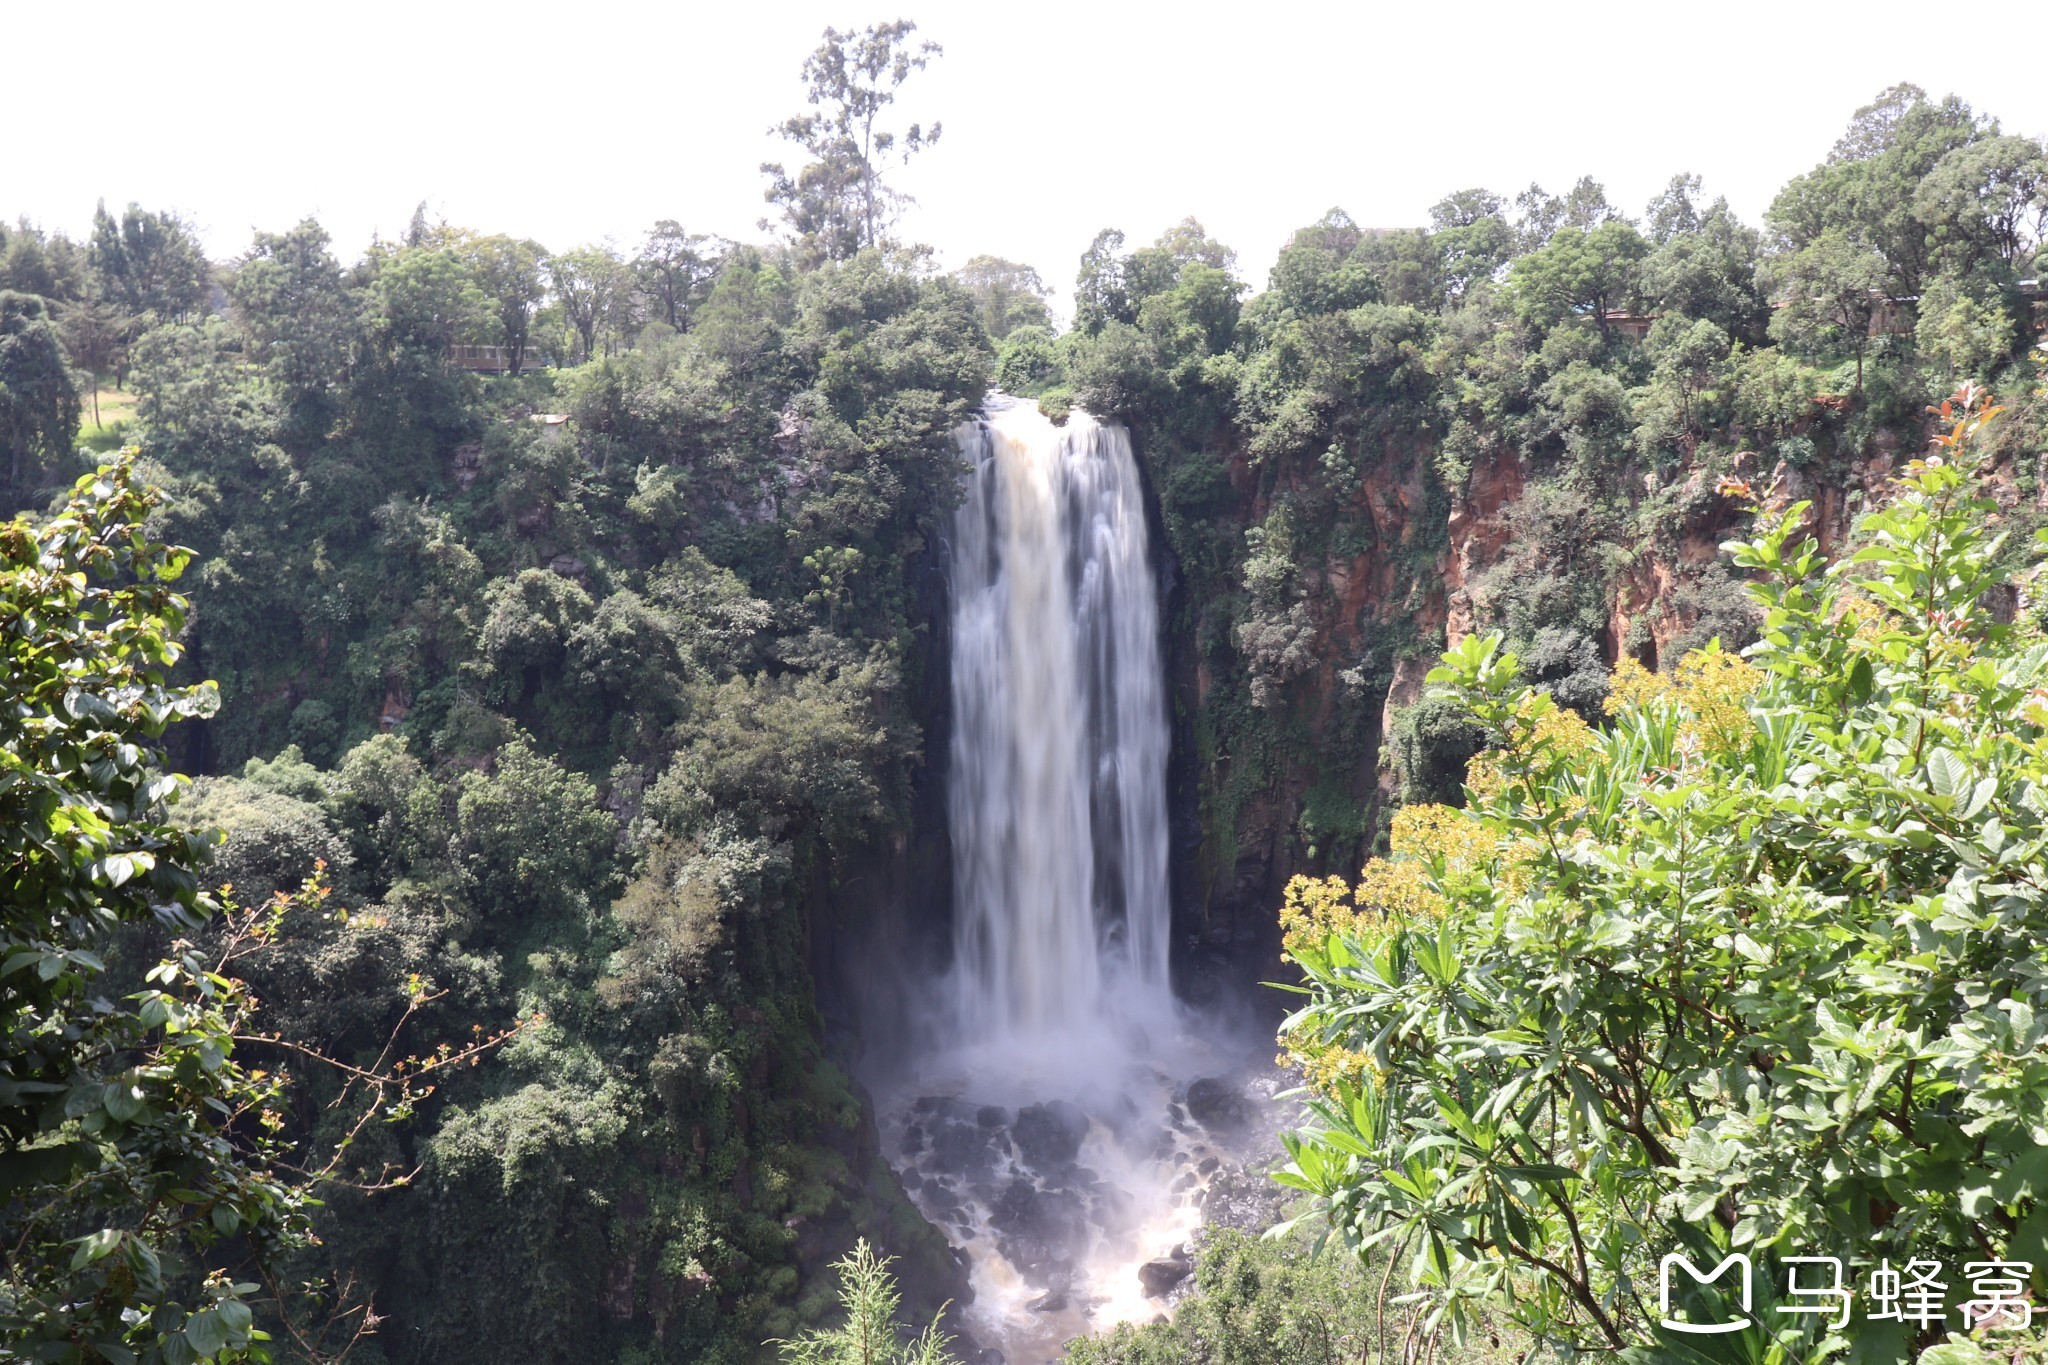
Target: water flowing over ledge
[[1051, 1128], [1058, 766]]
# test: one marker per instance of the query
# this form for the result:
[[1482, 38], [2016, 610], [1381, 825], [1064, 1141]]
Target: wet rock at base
[[1038, 1230], [1048, 1136], [1219, 1106], [1160, 1276]]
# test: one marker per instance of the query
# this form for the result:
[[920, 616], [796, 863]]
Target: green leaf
[[1946, 774], [123, 1100], [95, 1247], [235, 1314], [206, 1333]]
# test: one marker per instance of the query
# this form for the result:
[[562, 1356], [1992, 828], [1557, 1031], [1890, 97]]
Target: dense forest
[[575, 620]]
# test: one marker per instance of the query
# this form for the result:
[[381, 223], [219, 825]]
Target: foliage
[[837, 203], [870, 1335], [149, 1167], [1751, 970], [1009, 295], [38, 400], [1259, 1301]]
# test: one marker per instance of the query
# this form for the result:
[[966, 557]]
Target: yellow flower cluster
[[1711, 687], [1323, 1065], [1560, 729], [1431, 833], [1428, 842]]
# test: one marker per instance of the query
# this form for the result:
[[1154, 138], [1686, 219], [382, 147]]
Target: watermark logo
[[1664, 1268], [1914, 1294]]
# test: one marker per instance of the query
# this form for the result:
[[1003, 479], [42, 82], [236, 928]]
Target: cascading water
[[1049, 1129], [1058, 766]]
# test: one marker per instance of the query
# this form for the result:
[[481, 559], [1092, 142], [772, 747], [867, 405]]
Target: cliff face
[[1304, 783]]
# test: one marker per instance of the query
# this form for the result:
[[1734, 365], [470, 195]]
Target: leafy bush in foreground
[[1757, 968]]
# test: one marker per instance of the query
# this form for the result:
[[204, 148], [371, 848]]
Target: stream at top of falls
[[1067, 1116]]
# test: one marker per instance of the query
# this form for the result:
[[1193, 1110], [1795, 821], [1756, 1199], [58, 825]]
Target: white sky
[[584, 119]]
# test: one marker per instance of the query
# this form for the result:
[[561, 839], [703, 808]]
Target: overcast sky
[[585, 119]]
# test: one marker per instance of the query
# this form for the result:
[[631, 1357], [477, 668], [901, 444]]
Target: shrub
[[1755, 969]]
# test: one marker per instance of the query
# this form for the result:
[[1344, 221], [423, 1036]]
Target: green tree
[[1832, 288], [1028, 362], [1473, 234], [592, 285], [35, 262], [1008, 295], [38, 400], [150, 1185], [511, 272], [423, 299], [1867, 187], [1753, 970], [1579, 272], [291, 302], [1703, 264], [1987, 201], [1959, 335], [870, 1334], [676, 269], [837, 202], [149, 262], [96, 334], [1100, 293]]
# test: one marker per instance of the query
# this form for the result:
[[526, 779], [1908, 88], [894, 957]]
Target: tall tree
[[95, 334], [591, 284], [38, 401], [1579, 272], [1009, 295], [290, 300], [1985, 201], [837, 201], [1832, 288], [35, 262], [150, 262], [1473, 237], [1705, 261], [1866, 188], [1101, 294], [512, 272], [676, 269]]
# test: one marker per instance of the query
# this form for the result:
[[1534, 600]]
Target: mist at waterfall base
[[1064, 1113]]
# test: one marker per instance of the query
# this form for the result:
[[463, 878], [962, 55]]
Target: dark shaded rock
[[963, 1147], [1160, 1276], [991, 1116], [1038, 1228], [1048, 1136], [1218, 1106]]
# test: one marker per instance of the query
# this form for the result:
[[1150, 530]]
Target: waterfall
[[1057, 786], [1065, 1118]]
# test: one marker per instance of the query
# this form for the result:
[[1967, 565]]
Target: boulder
[[1219, 1106], [1048, 1136], [1160, 1276]]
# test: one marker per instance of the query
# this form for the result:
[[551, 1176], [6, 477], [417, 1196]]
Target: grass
[[116, 409]]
